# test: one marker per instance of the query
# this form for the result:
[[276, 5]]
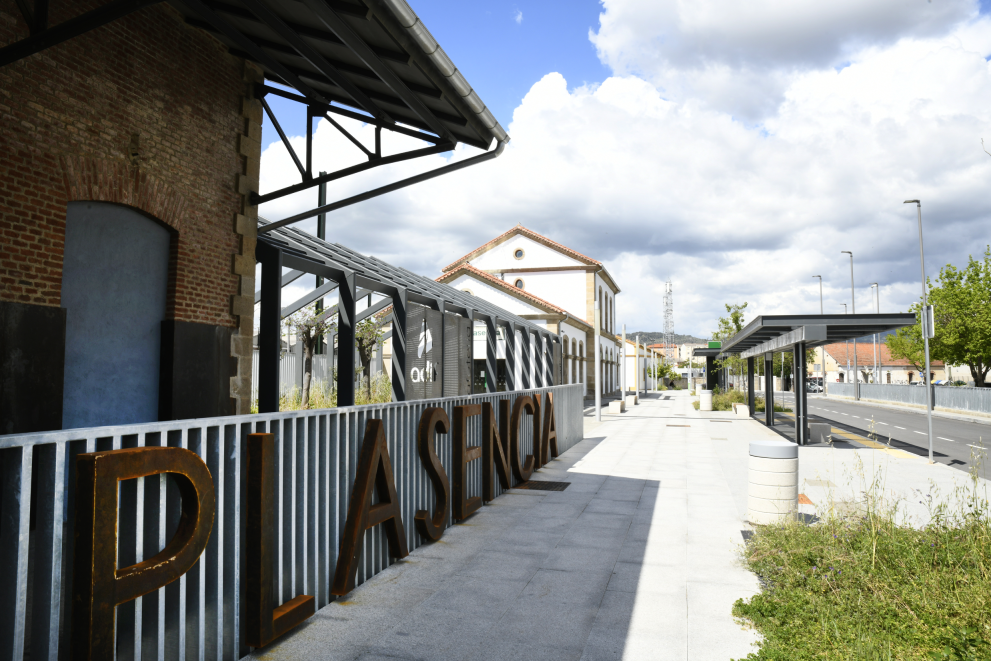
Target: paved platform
[[637, 559]]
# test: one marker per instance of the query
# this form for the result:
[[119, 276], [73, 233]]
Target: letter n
[[461, 456], [374, 472], [433, 421], [98, 585], [264, 621], [495, 450]]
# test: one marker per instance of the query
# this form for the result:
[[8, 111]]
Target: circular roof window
[[519, 283], [518, 253], [468, 291]]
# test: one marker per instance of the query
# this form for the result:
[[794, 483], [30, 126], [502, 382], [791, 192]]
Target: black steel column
[[443, 344], [471, 351], [345, 340], [511, 353], [491, 354], [269, 327], [750, 386], [549, 379], [321, 224], [769, 389], [399, 346], [801, 402], [711, 374], [525, 358]]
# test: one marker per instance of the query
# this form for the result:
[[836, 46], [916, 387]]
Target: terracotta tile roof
[[842, 351], [519, 229], [498, 282]]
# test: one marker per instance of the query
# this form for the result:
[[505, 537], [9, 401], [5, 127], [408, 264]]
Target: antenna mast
[[670, 353]]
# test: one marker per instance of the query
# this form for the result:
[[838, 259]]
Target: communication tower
[[670, 352]]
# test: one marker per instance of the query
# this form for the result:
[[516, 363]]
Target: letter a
[[374, 472], [434, 420], [548, 440]]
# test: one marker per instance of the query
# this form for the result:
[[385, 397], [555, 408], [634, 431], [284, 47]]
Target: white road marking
[[882, 423], [979, 447], [897, 427], [857, 417], [946, 439], [921, 432], [843, 414]]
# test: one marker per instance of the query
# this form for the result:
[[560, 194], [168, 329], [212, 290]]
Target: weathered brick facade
[[148, 112]]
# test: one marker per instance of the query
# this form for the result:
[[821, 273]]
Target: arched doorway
[[114, 286]]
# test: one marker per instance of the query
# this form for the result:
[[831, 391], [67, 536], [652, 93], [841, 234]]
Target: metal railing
[[952, 398], [199, 616]]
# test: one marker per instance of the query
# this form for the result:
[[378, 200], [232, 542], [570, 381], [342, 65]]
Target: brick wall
[[148, 112]]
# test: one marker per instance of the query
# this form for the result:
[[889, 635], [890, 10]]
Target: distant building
[[832, 360], [539, 279]]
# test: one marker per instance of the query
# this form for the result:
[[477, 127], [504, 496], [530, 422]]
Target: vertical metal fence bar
[[50, 466], [15, 506]]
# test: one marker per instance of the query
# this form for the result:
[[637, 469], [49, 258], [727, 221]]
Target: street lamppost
[[925, 330], [820, 292], [876, 290], [853, 310]]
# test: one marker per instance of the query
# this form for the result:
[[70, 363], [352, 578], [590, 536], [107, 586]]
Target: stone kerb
[[772, 494]]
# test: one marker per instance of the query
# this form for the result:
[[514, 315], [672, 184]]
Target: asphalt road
[[955, 442]]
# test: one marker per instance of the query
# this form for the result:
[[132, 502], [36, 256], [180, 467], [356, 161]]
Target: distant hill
[[657, 337]]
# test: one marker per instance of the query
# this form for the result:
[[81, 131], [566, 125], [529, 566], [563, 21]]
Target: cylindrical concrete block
[[773, 490], [705, 400]]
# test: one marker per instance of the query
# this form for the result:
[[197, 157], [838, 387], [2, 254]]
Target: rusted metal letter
[[433, 421], [461, 455], [522, 467], [98, 585], [539, 456], [548, 439], [494, 449], [374, 472], [265, 622]]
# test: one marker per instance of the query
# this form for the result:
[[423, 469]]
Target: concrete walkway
[[637, 559]]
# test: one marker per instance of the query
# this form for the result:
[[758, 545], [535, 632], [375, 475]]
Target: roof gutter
[[382, 190]]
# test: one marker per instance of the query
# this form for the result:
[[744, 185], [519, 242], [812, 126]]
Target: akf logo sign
[[429, 373]]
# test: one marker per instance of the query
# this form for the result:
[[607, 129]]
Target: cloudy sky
[[735, 148]]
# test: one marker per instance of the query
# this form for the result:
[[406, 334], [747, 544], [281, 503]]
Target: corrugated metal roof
[[375, 56]]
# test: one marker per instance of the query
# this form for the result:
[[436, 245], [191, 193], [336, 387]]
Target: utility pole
[[853, 310], [926, 330], [636, 365], [622, 363], [877, 309], [820, 293]]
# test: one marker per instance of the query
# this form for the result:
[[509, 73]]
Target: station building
[[554, 286]]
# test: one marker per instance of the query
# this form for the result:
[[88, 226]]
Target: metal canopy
[[309, 254], [838, 328], [368, 60]]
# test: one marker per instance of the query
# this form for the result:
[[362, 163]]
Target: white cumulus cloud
[[865, 114]]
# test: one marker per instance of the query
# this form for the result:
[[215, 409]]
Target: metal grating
[[542, 485]]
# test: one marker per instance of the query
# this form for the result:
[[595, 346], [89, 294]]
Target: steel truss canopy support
[[355, 276], [368, 60]]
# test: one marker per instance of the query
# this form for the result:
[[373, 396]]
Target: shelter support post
[[751, 405], [269, 328], [511, 353], [346, 313], [398, 345], [769, 389], [801, 402], [491, 354], [549, 362], [526, 359], [710, 372]]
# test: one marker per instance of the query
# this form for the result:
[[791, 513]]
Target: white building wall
[[565, 289], [493, 295], [535, 255]]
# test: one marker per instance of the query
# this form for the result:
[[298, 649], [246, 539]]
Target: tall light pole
[[820, 292], [853, 310], [876, 290], [598, 362], [925, 331]]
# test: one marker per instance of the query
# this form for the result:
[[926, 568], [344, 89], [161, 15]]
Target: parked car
[[813, 387]]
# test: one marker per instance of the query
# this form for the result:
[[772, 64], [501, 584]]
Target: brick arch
[[100, 180]]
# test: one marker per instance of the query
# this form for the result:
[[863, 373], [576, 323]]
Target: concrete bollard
[[742, 410], [772, 495], [617, 406], [818, 431], [705, 400], [631, 401]]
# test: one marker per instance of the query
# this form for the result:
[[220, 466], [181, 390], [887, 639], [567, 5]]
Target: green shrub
[[859, 585], [725, 401]]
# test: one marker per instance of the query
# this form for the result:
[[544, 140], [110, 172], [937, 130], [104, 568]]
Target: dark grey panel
[[32, 357], [424, 353], [196, 371], [114, 282]]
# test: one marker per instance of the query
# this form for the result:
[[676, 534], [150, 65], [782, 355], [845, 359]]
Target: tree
[[728, 327], [906, 343], [367, 335], [308, 325], [962, 309]]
